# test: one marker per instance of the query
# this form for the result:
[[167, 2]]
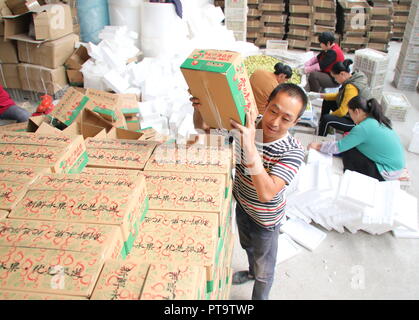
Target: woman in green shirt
[[372, 147]]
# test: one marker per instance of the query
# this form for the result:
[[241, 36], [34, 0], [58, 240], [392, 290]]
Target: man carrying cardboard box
[[9, 110], [268, 162]]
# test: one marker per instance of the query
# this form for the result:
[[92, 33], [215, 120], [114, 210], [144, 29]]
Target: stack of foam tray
[[407, 67], [352, 20], [380, 24], [300, 23], [324, 17], [374, 64], [236, 18], [351, 201], [400, 17], [254, 31], [272, 22]]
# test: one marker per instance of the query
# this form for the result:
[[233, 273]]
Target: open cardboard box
[[118, 133], [219, 79], [69, 106], [51, 22]]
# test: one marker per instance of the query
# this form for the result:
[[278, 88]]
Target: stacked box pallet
[[374, 64], [236, 18], [324, 18], [300, 23], [272, 22], [380, 24], [352, 18], [407, 68], [400, 16], [254, 27], [189, 221]]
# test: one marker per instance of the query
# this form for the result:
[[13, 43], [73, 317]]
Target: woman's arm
[[350, 92]]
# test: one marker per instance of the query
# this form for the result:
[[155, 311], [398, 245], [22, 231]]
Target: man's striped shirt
[[281, 158]]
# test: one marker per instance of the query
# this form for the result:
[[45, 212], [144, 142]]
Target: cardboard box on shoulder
[[104, 240], [50, 54], [8, 52], [49, 271], [42, 79], [9, 76], [121, 280], [219, 79]]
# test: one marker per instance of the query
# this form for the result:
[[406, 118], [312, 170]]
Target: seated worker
[[352, 85], [371, 147], [267, 161], [9, 110], [318, 68], [263, 82]]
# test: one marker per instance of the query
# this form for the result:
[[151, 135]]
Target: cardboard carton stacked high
[[235, 18], [35, 55], [374, 64], [254, 24], [189, 221], [407, 67], [380, 24], [272, 22], [300, 23], [400, 17], [352, 24], [324, 17]]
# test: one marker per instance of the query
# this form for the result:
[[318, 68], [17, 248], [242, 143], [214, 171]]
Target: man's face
[[280, 115]]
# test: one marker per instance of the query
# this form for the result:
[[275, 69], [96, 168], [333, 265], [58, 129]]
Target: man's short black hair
[[293, 91], [326, 37]]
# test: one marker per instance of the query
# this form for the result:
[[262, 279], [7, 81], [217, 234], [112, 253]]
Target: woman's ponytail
[[377, 112], [370, 107]]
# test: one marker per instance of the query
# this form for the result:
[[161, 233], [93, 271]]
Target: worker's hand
[[248, 134], [315, 146], [314, 95], [196, 103]]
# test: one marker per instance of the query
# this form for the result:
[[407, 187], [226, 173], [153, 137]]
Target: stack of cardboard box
[[352, 19], [272, 22], [400, 17], [380, 24], [300, 23], [324, 20], [254, 25], [35, 62], [189, 221], [235, 18], [407, 68]]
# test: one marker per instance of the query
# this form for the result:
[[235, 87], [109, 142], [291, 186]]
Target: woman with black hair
[[263, 82], [372, 147], [318, 68], [352, 85]]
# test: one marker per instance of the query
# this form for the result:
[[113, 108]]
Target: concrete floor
[[352, 266]]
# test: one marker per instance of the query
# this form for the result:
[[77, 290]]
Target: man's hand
[[197, 118], [248, 134]]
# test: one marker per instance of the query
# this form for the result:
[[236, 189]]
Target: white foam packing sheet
[[287, 248], [404, 233], [303, 233], [358, 188], [406, 212]]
